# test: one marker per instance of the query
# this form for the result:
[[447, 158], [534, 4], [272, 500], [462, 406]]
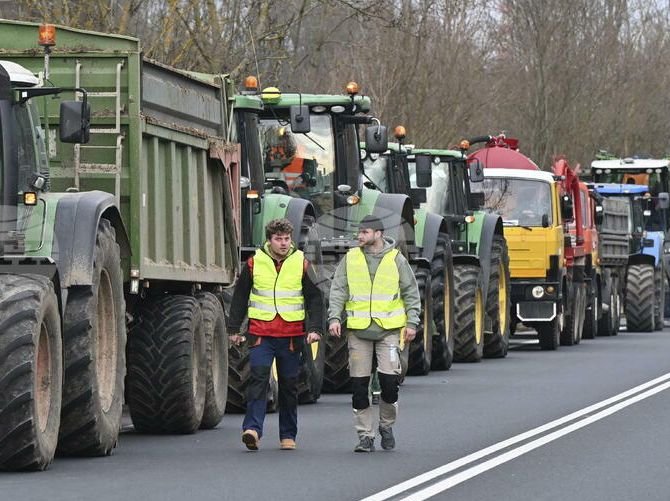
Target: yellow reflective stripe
[[276, 293], [279, 309], [376, 314], [374, 297]]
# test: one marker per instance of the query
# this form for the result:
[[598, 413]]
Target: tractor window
[[301, 164], [437, 195], [27, 156], [375, 167], [521, 202]]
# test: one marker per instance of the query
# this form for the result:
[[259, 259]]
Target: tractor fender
[[634, 259], [297, 209], [397, 214], [432, 226], [491, 226], [657, 249], [75, 229]]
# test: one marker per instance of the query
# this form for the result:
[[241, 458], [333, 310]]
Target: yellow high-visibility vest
[[275, 293], [379, 300]]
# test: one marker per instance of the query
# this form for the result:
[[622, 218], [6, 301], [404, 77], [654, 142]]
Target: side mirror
[[376, 139], [663, 200], [75, 122], [424, 171], [599, 215], [300, 119], [476, 171], [545, 220], [566, 208]]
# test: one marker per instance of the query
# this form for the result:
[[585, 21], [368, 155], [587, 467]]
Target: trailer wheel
[[640, 300], [468, 313], [216, 335], [659, 297], [496, 342], [167, 366], [421, 347], [442, 292], [94, 344], [31, 366]]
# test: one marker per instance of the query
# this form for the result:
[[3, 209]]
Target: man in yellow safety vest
[[377, 289], [274, 290]]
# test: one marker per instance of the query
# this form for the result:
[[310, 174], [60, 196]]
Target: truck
[[133, 231], [438, 183], [642, 292], [318, 159], [547, 263]]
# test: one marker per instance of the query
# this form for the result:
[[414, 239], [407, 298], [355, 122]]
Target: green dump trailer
[[138, 228]]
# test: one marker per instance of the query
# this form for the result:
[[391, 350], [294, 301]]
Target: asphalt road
[[487, 431]]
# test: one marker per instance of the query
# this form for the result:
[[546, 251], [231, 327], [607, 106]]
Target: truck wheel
[[442, 287], [94, 344], [659, 298], [549, 334], [590, 329], [216, 336], [574, 318], [468, 313], [31, 366], [496, 342], [167, 369], [421, 347], [640, 301], [310, 379], [606, 324]]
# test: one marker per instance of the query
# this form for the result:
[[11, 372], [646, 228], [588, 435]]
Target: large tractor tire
[[468, 313], [496, 341], [216, 335], [442, 292], [640, 300], [421, 347], [659, 297], [167, 366], [239, 368], [574, 317], [94, 348], [336, 366], [31, 372], [593, 312]]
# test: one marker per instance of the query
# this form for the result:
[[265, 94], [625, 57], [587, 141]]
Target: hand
[[313, 337], [410, 334], [335, 328], [237, 339]]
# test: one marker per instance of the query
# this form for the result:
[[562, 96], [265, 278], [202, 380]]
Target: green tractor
[[312, 153], [438, 183]]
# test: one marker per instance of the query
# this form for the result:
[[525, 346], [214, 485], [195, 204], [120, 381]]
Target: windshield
[[301, 164], [437, 194], [520, 202], [652, 179]]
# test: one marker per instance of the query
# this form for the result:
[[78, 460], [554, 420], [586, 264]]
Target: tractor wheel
[[216, 336], [31, 365], [442, 292], [420, 349], [640, 300], [574, 318], [549, 333], [496, 341], [590, 330], [659, 297], [336, 366], [468, 313], [94, 348], [167, 366]]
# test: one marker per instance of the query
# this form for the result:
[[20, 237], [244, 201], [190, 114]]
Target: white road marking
[[417, 481]]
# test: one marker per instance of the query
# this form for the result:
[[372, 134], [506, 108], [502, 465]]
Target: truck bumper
[[536, 311]]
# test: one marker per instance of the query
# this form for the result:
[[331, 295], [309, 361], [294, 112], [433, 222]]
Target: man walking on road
[[274, 290], [377, 288]]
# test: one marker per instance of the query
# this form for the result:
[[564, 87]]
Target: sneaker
[[287, 444], [367, 444], [388, 440], [250, 439]]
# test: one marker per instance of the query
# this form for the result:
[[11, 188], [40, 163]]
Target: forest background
[[564, 76]]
